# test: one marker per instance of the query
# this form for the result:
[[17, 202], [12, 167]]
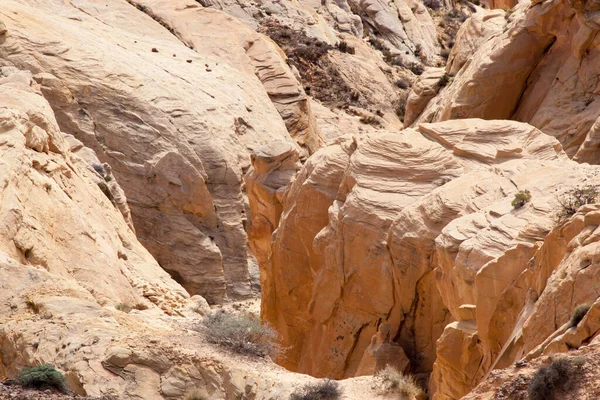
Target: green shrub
[[241, 333], [578, 197], [393, 381], [43, 376], [123, 307], [579, 313], [521, 198], [324, 390], [560, 375]]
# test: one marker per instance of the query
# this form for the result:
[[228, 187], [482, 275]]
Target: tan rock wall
[[421, 225], [176, 124], [537, 69]]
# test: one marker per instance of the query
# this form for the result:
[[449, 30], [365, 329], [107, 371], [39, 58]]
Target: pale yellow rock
[[176, 125], [392, 207], [537, 69]]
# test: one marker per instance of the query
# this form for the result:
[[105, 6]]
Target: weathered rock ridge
[[416, 230], [540, 69], [70, 264], [174, 112]]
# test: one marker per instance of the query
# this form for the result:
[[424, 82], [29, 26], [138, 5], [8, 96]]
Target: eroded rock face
[[537, 70], [57, 218], [414, 229], [70, 265], [175, 115]]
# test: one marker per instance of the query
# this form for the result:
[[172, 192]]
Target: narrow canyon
[[300, 199]]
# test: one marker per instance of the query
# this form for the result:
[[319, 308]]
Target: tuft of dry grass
[[323, 390], [392, 381], [242, 333]]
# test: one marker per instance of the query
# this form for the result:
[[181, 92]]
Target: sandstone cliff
[[154, 150], [540, 69], [417, 230]]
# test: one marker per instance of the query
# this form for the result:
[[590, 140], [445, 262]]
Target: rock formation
[[155, 150], [71, 268], [414, 230], [179, 138], [539, 69]]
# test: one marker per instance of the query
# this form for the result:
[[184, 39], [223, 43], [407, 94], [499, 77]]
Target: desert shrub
[[416, 68], [521, 198], [377, 43], [432, 4], [394, 382], [509, 12], [444, 80], [400, 105], [578, 197], [456, 14], [344, 47], [370, 120], [242, 333], [559, 375], [320, 76], [43, 376], [397, 61], [323, 390], [445, 53], [402, 84], [196, 394], [123, 307], [579, 313]]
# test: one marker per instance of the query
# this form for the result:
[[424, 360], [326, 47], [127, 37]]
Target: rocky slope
[[155, 150], [411, 238], [72, 268], [540, 69], [197, 90], [406, 229]]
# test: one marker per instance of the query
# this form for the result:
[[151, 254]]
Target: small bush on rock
[[432, 4], [400, 105], [344, 47], [324, 390], [123, 307], [370, 120], [571, 202], [521, 198], [444, 80], [579, 313], [394, 381], [416, 68], [559, 375], [42, 377], [402, 84], [241, 333]]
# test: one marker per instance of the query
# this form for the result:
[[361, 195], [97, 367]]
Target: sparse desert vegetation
[[43, 377], [323, 390], [242, 333]]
